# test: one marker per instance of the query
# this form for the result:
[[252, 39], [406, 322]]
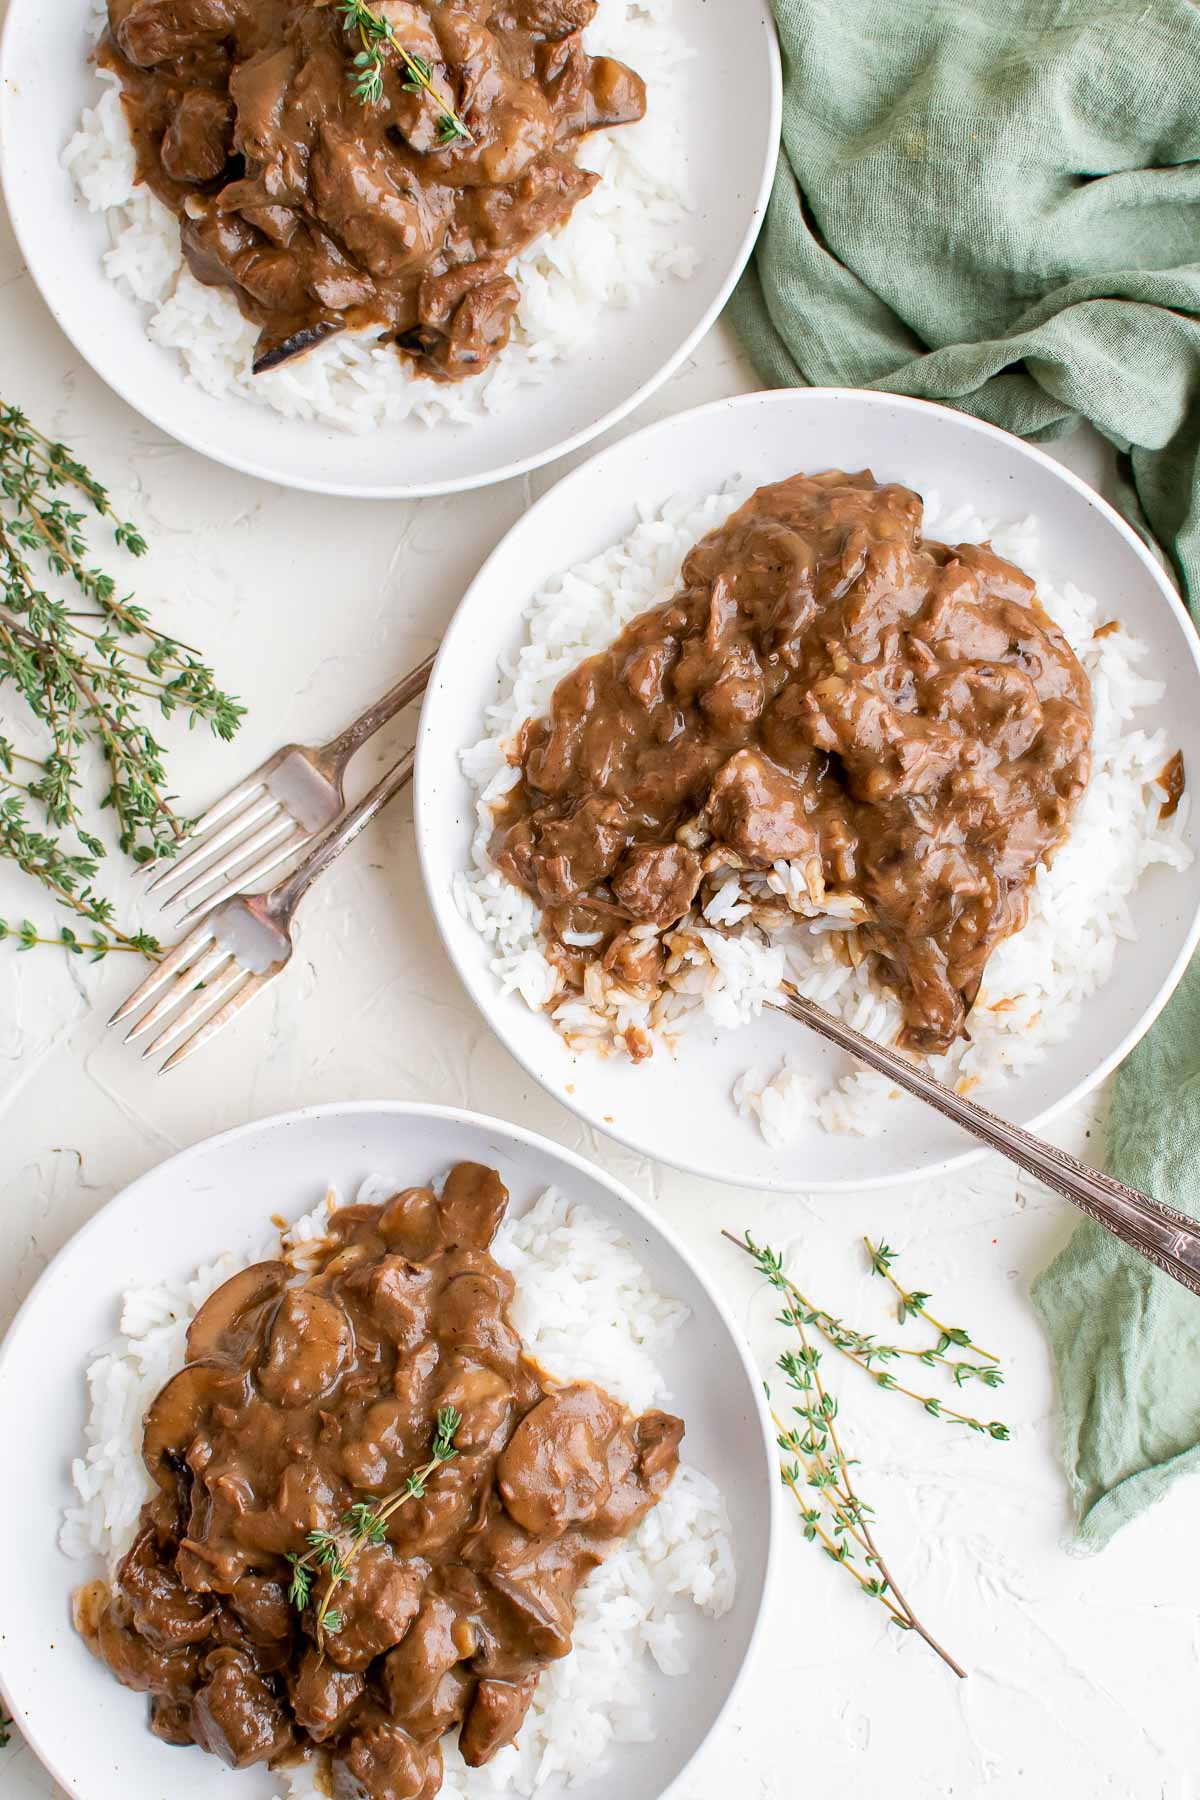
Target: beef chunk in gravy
[[899, 717], [306, 1397], [320, 211]]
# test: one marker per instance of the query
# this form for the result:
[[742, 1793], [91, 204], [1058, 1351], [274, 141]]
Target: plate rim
[[449, 1115], [441, 903], [108, 368]]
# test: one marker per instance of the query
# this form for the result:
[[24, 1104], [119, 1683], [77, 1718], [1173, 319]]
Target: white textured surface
[[1083, 1672]]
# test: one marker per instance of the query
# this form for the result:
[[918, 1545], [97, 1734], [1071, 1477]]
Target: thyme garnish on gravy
[[377, 37], [364, 1523], [85, 674]]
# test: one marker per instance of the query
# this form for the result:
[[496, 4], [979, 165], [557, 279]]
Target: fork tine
[[209, 996], [218, 1022], [191, 977], [245, 821], [236, 796], [248, 878], [252, 846], [172, 963]]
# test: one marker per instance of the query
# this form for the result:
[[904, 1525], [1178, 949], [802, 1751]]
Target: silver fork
[[1164, 1236], [228, 959], [270, 816]]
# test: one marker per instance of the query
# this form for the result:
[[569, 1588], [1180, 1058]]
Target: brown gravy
[[322, 213], [898, 716], [300, 1401]]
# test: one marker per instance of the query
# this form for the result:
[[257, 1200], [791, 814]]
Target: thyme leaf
[[378, 38]]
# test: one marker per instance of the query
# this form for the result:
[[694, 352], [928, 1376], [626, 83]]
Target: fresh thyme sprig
[[377, 37], [838, 1519], [864, 1350], [26, 936], [333, 1553], [916, 1303], [5, 1729], [815, 1468], [85, 674]]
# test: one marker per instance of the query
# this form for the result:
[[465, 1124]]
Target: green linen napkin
[[996, 204]]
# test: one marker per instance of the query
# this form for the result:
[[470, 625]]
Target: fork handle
[[282, 901], [1164, 1236], [334, 756]]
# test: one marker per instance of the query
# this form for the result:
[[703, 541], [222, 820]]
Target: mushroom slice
[[222, 1328]]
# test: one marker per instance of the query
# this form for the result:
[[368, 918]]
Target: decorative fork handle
[[280, 904], [1164, 1236], [336, 754]]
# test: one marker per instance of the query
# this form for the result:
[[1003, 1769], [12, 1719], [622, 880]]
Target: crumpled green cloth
[[996, 204]]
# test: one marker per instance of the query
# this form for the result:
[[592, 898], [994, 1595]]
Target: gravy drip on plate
[[299, 1401], [899, 717], [321, 213]]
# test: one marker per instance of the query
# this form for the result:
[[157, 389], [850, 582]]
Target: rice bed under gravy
[[1035, 981], [586, 1310], [624, 238]]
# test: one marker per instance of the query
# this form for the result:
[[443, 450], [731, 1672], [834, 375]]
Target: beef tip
[[496, 1715], [474, 1201], [536, 1578], [475, 332], [641, 1464], [993, 701], [389, 226], [577, 851], [657, 883], [398, 1295], [757, 810], [481, 1398], [543, 199], [171, 1721], [885, 753], [160, 1608], [332, 278], [322, 1696], [311, 1343], [236, 1715], [262, 1606], [199, 139], [423, 1677], [153, 31], [617, 96], [377, 1603], [137, 1664], [381, 1762], [274, 137], [547, 19], [554, 1470]]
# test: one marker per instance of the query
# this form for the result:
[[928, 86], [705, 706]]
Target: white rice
[[587, 1311], [723, 969], [623, 238]]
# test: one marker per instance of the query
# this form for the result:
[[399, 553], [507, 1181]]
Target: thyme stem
[[364, 1524], [882, 1257]]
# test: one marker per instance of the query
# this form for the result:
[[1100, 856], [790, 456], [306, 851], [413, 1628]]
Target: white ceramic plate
[[220, 1195], [679, 1109], [732, 87]]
